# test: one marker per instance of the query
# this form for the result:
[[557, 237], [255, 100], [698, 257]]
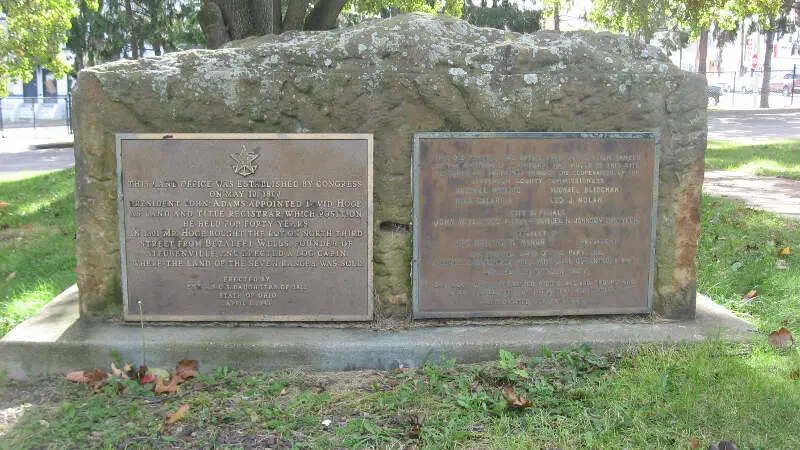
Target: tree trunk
[[295, 15], [264, 18], [223, 21], [324, 15], [702, 51], [133, 37], [770, 38], [213, 25], [557, 16]]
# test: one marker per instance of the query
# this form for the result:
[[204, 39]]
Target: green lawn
[[37, 243], [779, 159], [649, 397]]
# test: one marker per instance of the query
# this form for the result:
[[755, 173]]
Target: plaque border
[[416, 220], [119, 137]]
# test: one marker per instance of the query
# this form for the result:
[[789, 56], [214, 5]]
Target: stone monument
[[391, 79]]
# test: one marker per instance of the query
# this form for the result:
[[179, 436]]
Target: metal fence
[[35, 112], [743, 89]]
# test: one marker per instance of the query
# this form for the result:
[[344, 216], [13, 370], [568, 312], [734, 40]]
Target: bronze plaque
[[249, 227], [533, 224]]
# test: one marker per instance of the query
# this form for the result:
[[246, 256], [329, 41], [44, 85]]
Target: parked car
[[783, 83]]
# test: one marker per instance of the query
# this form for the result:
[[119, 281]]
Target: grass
[[779, 159], [37, 243], [651, 396], [738, 252]]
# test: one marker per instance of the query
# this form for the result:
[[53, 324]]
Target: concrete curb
[[48, 145], [57, 340]]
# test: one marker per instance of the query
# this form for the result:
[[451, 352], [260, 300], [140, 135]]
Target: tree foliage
[[107, 30], [504, 18], [32, 36]]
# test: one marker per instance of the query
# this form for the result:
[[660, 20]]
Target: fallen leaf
[[781, 264], [750, 296], [95, 379], [79, 376], [158, 373], [695, 443], [781, 338], [178, 415], [169, 388], [186, 369], [11, 276], [148, 379], [3, 204], [284, 391], [513, 401], [99, 379], [141, 373], [785, 251], [117, 372], [794, 375]]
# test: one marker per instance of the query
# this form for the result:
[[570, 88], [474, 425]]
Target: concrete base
[[57, 340]]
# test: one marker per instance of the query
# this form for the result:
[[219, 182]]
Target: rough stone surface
[[393, 78]]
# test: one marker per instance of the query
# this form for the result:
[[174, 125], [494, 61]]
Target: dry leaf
[[79, 376], [284, 391], [161, 388], [11, 276], [115, 371], [750, 296], [513, 401], [3, 204], [785, 251], [186, 369], [178, 415], [695, 443], [98, 379], [781, 338], [781, 264], [795, 374]]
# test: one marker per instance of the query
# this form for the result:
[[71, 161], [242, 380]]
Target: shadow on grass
[[37, 243], [780, 159]]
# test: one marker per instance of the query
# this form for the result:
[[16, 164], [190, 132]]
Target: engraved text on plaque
[[525, 224], [246, 227]]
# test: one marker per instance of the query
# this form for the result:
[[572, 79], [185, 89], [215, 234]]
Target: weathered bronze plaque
[[255, 227], [529, 224]]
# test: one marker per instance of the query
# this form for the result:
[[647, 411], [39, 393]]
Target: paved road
[[754, 124], [18, 154]]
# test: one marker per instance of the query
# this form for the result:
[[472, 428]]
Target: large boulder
[[392, 78]]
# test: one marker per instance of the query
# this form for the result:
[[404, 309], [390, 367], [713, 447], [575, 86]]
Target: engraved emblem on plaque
[[244, 162]]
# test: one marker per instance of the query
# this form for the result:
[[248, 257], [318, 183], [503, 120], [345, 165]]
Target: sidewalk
[[27, 151], [778, 195]]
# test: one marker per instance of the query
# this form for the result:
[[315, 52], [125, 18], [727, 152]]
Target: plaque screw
[[141, 322]]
